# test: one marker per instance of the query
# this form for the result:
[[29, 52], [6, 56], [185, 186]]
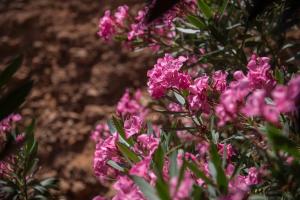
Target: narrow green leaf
[[223, 7], [159, 159], [127, 152], [224, 156], [187, 30], [115, 165], [162, 189], [197, 193], [146, 188], [149, 128], [196, 22], [205, 9], [10, 70], [173, 164], [279, 75], [216, 161], [257, 197], [111, 126], [179, 98], [119, 127]]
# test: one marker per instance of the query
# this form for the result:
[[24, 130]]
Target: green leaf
[[149, 128], [49, 182], [179, 98], [162, 189], [198, 173], [205, 9], [257, 197], [111, 126], [281, 142], [216, 162], [32, 166], [40, 189], [173, 164], [127, 152], [10, 70], [223, 7], [197, 193], [115, 165], [279, 75], [196, 22], [14, 99], [187, 30], [159, 159], [119, 127], [146, 188]]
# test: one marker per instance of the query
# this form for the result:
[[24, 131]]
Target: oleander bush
[[220, 119]]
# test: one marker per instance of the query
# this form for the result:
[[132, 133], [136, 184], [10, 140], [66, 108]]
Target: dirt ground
[[78, 80]]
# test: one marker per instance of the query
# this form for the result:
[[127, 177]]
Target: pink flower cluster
[[6, 124], [106, 150], [240, 185], [131, 105], [166, 74], [109, 24], [159, 32], [248, 94], [101, 131], [198, 94]]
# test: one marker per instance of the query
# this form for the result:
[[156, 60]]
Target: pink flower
[[137, 29], [184, 189], [105, 151], [229, 150], [126, 189], [99, 198], [282, 99], [271, 113], [141, 168], [166, 75], [198, 94], [202, 148], [294, 88], [3, 168], [255, 103], [231, 99], [147, 144], [131, 105], [174, 107], [259, 73], [106, 26], [239, 186], [121, 14], [132, 125], [256, 106], [100, 132], [253, 177], [286, 97], [219, 80], [7, 123]]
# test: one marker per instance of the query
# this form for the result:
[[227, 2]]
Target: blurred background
[[78, 80]]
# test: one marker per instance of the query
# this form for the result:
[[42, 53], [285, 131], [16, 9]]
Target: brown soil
[[78, 80]]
